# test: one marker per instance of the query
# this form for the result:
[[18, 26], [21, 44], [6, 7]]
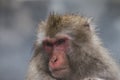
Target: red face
[[57, 49]]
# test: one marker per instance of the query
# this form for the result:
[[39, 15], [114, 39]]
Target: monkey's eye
[[60, 41], [48, 44]]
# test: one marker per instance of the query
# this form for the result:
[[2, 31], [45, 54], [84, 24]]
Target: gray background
[[19, 20]]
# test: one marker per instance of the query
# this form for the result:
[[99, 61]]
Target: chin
[[60, 73]]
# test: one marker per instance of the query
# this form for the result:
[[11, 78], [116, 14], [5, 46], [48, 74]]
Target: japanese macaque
[[67, 48]]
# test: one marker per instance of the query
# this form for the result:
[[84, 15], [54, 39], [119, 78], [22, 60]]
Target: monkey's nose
[[53, 59]]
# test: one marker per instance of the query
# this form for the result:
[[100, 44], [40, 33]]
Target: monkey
[[68, 48]]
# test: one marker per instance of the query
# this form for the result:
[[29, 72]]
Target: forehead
[[58, 23], [54, 25]]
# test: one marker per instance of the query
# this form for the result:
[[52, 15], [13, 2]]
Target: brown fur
[[88, 59]]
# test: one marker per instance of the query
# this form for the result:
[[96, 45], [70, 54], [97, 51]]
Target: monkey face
[[57, 49]]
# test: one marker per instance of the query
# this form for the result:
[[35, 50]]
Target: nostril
[[54, 59]]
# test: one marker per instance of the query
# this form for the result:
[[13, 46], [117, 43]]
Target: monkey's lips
[[59, 70]]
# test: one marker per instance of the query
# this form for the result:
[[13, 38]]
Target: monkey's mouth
[[58, 70]]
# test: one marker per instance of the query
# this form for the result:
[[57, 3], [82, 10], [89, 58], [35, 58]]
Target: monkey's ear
[[87, 24]]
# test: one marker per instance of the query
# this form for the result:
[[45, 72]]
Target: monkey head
[[62, 33], [67, 48]]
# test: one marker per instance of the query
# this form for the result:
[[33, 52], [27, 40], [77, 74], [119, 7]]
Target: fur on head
[[72, 24]]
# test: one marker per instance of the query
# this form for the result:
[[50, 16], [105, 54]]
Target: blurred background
[[19, 20]]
